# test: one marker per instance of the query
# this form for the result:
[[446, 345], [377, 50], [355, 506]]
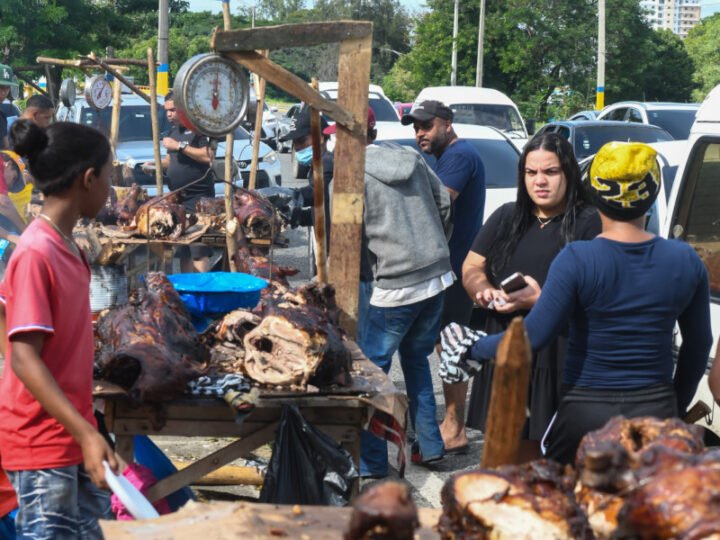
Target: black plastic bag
[[307, 466]]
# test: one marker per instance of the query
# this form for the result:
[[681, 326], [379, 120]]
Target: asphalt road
[[426, 482]]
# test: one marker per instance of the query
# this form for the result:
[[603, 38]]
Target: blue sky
[[708, 6]]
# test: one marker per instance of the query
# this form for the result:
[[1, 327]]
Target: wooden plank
[[289, 35], [508, 397], [353, 81], [294, 85], [212, 462], [227, 475], [318, 193]]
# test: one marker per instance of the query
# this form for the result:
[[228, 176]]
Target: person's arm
[[714, 377], [551, 312], [475, 279], [29, 368], [201, 154], [454, 172], [697, 339]]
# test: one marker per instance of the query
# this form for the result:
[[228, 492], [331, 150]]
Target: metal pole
[[600, 90], [162, 70], [453, 74], [480, 48], [154, 121]]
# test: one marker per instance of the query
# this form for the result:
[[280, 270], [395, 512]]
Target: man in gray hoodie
[[406, 226]]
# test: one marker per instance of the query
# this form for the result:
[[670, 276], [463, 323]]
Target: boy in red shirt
[[49, 443]]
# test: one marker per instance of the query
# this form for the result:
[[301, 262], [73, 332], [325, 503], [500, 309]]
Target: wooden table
[[221, 520], [341, 415]]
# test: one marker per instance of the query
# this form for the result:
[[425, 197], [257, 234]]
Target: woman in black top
[[525, 236]]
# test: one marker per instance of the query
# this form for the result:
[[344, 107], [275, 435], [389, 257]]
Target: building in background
[[679, 16]]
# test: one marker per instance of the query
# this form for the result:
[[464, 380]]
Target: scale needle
[[216, 84]]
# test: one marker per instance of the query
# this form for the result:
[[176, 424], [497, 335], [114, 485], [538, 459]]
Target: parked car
[[587, 136], [675, 118], [482, 107], [692, 216], [135, 142], [584, 115], [382, 107], [500, 157]]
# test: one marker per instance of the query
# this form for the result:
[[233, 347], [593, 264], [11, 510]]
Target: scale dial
[[211, 94], [98, 92]]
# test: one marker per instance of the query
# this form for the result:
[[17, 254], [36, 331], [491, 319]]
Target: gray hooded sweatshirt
[[407, 218]]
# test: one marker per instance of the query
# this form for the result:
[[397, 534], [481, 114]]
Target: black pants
[[584, 409]]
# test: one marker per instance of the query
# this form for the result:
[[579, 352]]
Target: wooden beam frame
[[350, 112]]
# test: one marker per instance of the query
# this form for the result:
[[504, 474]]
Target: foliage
[[702, 46]]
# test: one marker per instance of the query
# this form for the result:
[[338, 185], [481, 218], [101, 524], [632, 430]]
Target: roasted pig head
[[256, 215], [161, 218], [384, 511], [530, 501], [149, 346]]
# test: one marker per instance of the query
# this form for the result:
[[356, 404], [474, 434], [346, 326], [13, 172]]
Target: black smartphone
[[513, 283]]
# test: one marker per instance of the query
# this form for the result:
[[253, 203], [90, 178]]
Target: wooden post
[[508, 397], [318, 193], [115, 118], [347, 207], [231, 224], [154, 120], [260, 96]]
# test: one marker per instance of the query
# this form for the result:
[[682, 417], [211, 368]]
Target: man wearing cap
[[6, 81], [460, 168], [620, 295], [301, 139]]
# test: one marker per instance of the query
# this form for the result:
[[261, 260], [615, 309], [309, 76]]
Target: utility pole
[[480, 49], [600, 90], [453, 74], [162, 70]]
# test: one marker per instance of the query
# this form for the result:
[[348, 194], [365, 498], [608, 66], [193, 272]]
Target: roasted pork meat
[[256, 215], [149, 346], [384, 511], [255, 263], [161, 219], [530, 501], [614, 460]]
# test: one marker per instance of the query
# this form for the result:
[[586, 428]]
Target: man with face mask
[[302, 145]]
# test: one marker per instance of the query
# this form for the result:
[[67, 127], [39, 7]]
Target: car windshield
[[500, 170], [589, 140], [503, 117], [676, 123], [134, 121]]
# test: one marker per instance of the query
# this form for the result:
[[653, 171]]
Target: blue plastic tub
[[217, 293]]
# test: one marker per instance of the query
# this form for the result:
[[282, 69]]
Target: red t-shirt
[[46, 289]]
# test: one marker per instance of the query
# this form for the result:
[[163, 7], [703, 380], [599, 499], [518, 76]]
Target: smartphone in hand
[[513, 283]]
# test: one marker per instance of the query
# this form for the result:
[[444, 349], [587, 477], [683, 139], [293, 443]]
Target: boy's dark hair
[[59, 153], [39, 101], [169, 96]]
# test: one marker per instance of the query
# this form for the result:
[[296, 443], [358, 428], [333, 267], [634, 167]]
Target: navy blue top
[[621, 301], [461, 169]]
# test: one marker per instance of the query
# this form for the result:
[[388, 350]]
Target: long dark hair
[[510, 232]]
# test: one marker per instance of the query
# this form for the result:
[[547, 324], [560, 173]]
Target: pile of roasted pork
[[642, 478], [290, 340], [166, 218]]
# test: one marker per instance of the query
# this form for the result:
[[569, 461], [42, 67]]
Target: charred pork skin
[[256, 215], [149, 346], [254, 263], [612, 461], [161, 219], [384, 511], [530, 501], [127, 207]]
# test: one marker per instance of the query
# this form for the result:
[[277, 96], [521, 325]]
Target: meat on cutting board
[[161, 219]]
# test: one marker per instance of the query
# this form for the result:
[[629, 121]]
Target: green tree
[[669, 71], [702, 46]]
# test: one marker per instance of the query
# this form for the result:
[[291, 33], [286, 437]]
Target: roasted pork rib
[[149, 346]]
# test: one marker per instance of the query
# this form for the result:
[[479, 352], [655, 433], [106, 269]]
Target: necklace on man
[[69, 242], [543, 221]]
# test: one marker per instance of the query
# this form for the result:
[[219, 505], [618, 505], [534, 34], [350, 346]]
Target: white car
[[675, 118], [500, 157], [135, 142], [383, 108], [482, 107]]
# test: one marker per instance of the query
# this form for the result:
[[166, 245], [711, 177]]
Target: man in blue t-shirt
[[460, 167]]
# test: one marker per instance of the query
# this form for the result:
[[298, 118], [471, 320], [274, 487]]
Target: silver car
[[135, 143]]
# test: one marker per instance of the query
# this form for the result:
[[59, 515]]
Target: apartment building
[[679, 16]]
